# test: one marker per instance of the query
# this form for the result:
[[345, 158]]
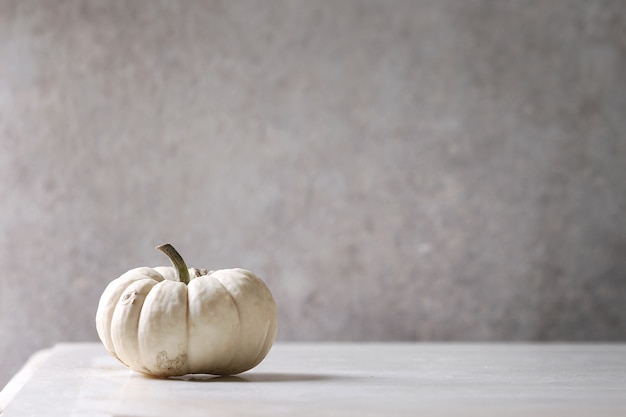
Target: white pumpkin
[[168, 321]]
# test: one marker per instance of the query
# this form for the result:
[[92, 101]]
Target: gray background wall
[[405, 170]]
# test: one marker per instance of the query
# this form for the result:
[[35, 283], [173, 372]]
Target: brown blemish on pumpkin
[[128, 298], [199, 272], [166, 364]]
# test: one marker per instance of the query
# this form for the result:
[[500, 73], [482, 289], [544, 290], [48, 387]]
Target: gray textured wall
[[424, 170]]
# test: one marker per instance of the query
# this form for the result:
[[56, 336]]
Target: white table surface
[[337, 380]]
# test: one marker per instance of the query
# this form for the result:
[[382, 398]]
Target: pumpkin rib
[[157, 342], [263, 351], [249, 350], [213, 319], [126, 321], [234, 354]]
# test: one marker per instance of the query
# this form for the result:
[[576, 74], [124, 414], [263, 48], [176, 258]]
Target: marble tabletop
[[336, 379]]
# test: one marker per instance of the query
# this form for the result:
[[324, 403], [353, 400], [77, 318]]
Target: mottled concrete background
[[404, 170]]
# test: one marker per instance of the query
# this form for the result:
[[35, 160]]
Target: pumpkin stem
[[177, 261]]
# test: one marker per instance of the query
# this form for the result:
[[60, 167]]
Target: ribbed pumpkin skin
[[222, 323]]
